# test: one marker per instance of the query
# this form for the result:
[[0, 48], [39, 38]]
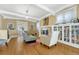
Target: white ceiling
[[55, 7], [31, 10]]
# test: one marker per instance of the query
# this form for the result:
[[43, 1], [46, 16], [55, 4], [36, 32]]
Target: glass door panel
[[66, 33], [60, 34], [75, 34]]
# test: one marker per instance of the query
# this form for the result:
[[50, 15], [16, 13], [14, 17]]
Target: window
[[60, 18], [66, 16], [69, 15]]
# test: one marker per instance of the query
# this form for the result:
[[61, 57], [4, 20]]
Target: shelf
[[69, 33]]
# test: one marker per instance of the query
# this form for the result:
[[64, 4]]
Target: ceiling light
[[27, 11]]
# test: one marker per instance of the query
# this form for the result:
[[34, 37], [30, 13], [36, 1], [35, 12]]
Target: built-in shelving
[[69, 34]]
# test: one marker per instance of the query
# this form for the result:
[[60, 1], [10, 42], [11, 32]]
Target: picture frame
[[11, 26]]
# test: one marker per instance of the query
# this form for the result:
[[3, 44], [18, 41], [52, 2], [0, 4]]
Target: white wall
[[0, 22]]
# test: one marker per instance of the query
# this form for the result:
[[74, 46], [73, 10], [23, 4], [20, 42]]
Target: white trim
[[66, 6], [70, 44], [16, 15], [52, 12], [45, 8]]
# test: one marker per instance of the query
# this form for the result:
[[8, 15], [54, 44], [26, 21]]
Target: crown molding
[[13, 15], [45, 8], [69, 5]]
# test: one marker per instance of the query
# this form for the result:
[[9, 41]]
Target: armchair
[[28, 38]]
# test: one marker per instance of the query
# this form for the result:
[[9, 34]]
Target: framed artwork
[[11, 26], [46, 21]]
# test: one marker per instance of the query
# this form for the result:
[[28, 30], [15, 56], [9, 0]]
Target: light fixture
[[27, 11]]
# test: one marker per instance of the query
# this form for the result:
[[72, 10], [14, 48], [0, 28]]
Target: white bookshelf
[[69, 34]]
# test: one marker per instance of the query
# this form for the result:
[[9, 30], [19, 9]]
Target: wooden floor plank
[[17, 47]]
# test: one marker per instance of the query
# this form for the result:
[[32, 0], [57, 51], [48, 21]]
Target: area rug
[[35, 43]]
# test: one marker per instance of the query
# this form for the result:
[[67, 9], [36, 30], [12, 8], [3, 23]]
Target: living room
[[39, 29]]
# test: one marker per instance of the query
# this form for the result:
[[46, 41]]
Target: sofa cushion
[[2, 41]]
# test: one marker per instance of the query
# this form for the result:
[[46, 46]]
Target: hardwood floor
[[18, 47]]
